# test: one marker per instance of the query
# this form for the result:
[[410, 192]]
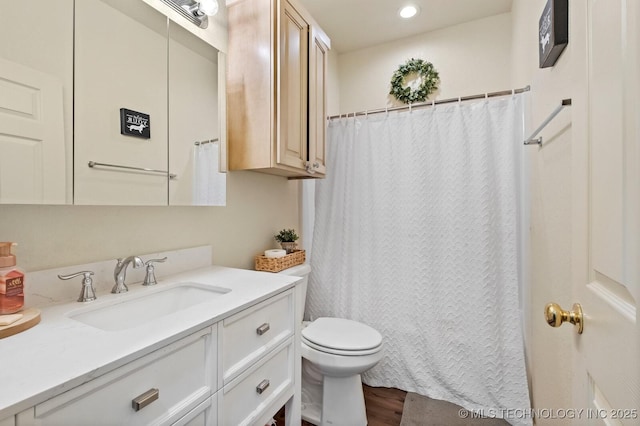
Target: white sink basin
[[134, 311]]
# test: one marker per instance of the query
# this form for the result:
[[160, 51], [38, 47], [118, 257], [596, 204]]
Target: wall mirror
[[69, 87]]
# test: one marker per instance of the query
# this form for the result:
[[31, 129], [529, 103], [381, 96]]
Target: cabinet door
[[120, 62], [317, 101], [293, 91]]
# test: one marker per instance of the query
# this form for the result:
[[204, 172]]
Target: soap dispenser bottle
[[11, 281]]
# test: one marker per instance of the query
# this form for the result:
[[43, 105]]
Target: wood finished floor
[[384, 407]]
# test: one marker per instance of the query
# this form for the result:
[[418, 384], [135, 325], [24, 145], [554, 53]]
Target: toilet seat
[[342, 337], [340, 351]]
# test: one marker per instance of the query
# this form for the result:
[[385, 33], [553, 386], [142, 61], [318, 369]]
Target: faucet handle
[[150, 261], [150, 277], [87, 293]]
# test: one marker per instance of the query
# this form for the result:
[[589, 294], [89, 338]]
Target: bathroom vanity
[[213, 346]]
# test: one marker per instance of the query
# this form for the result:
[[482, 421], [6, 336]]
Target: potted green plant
[[287, 239]]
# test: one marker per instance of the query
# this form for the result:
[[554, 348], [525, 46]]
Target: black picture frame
[[134, 123], [553, 31]]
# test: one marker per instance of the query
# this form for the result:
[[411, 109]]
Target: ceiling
[[356, 24]]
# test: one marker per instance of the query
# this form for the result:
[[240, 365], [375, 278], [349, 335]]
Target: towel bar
[[538, 141]]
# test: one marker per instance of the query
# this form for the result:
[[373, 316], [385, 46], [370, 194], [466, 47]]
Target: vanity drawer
[[181, 372], [205, 414], [248, 335], [241, 401]]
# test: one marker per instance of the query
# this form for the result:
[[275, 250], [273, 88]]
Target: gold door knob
[[555, 316]]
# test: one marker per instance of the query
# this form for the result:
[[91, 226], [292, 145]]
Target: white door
[[32, 146], [606, 214]]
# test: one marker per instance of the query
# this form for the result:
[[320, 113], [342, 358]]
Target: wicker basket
[[269, 264]]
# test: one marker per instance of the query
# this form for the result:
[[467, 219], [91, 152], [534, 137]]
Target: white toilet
[[335, 352]]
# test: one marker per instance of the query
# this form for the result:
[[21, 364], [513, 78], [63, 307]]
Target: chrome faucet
[[120, 272]]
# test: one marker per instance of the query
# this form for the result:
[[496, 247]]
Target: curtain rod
[[432, 103]]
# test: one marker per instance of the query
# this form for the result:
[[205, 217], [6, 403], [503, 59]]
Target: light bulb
[[209, 7], [408, 11]]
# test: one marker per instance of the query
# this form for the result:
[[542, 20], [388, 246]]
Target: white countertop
[[61, 353]]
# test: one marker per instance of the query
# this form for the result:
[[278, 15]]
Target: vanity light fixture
[[196, 11], [408, 11], [208, 7], [200, 8]]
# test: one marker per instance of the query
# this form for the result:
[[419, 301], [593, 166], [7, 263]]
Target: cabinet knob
[[310, 168], [263, 329], [141, 401], [262, 386]]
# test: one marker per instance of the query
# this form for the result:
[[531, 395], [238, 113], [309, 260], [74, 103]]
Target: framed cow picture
[[134, 123], [553, 31]]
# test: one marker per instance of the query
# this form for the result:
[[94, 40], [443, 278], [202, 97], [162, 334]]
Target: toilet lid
[[341, 334]]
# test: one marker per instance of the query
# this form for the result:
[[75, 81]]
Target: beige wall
[[333, 87], [548, 350], [258, 205], [471, 58]]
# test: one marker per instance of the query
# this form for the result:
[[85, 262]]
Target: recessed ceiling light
[[408, 11]]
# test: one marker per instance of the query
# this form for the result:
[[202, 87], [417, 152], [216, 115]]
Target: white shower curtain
[[209, 185], [416, 234]]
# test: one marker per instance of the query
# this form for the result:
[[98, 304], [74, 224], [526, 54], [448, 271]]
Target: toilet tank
[[301, 295]]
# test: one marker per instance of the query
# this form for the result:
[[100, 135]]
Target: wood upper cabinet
[[276, 84], [318, 53]]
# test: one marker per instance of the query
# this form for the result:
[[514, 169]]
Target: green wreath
[[425, 70]]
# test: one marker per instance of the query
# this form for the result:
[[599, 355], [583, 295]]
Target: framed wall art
[[134, 123], [553, 31]]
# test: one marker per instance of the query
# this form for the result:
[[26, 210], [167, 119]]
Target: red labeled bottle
[[11, 282]]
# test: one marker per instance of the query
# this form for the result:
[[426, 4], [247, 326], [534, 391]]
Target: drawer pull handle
[[263, 329], [262, 386], [139, 402]]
